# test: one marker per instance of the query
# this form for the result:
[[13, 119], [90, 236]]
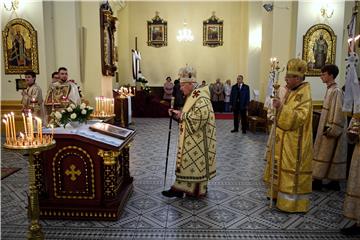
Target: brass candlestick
[[35, 231]]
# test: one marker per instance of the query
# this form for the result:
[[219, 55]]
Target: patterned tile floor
[[235, 208]]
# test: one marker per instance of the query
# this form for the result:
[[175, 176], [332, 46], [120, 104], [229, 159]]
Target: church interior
[[117, 55]]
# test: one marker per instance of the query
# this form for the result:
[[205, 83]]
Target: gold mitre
[[187, 74], [297, 67]]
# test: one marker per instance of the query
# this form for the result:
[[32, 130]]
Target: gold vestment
[[196, 163], [293, 152]]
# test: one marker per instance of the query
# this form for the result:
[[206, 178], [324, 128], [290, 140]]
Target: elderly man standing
[[195, 162], [292, 178]]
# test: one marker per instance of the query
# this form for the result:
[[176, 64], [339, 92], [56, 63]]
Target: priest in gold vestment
[[291, 183], [195, 162], [352, 197], [330, 147]]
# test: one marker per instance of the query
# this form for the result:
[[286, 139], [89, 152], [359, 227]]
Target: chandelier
[[185, 34]]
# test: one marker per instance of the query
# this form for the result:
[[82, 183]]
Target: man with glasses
[[291, 181]]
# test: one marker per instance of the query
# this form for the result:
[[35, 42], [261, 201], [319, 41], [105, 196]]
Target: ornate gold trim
[[109, 157], [29, 37], [57, 189], [309, 39]]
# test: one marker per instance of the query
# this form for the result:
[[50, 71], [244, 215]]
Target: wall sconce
[[11, 5], [326, 11]]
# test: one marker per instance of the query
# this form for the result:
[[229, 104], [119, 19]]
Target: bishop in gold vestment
[[330, 147], [195, 162], [293, 144]]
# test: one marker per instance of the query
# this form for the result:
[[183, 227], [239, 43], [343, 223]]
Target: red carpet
[[224, 116]]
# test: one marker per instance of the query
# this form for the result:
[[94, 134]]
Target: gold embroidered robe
[[330, 147], [196, 163], [33, 92], [352, 197], [293, 151]]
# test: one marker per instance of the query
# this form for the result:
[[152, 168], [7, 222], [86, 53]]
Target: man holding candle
[[32, 95], [73, 94]]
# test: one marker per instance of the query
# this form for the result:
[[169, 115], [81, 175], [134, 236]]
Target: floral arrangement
[[141, 79], [72, 113]]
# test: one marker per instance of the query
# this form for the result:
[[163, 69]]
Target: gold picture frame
[[56, 94], [213, 31], [108, 48], [157, 32], [20, 47], [319, 48]]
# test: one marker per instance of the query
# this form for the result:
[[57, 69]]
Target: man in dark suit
[[239, 100]]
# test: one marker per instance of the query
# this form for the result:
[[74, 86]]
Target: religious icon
[[57, 94], [319, 48], [157, 32], [213, 32], [108, 48], [20, 47]]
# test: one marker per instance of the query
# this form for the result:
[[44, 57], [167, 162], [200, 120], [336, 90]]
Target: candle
[[25, 127], [9, 126], [30, 128], [6, 130], [13, 125], [22, 138], [52, 132]]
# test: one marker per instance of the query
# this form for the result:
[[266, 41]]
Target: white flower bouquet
[[72, 113]]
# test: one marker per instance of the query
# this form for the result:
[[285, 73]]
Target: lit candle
[[22, 140], [112, 106], [25, 127], [6, 130], [96, 105], [30, 128], [52, 132]]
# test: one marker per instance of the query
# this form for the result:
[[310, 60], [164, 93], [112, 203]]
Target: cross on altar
[[72, 172]]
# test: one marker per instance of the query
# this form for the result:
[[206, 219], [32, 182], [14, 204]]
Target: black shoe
[[353, 230], [333, 185], [244, 132], [171, 193], [317, 185], [234, 130]]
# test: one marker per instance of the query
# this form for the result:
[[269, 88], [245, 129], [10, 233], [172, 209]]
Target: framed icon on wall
[[157, 32], [20, 47], [213, 32], [319, 48]]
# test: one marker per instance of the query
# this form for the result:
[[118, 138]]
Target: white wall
[[224, 62], [309, 15]]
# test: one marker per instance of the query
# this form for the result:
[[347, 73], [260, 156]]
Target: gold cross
[[72, 172]]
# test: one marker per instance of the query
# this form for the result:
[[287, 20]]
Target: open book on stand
[[111, 130]]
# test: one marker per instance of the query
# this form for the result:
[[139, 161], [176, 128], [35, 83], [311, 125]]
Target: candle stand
[[35, 231]]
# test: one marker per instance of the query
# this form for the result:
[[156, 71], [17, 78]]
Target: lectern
[[86, 176]]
